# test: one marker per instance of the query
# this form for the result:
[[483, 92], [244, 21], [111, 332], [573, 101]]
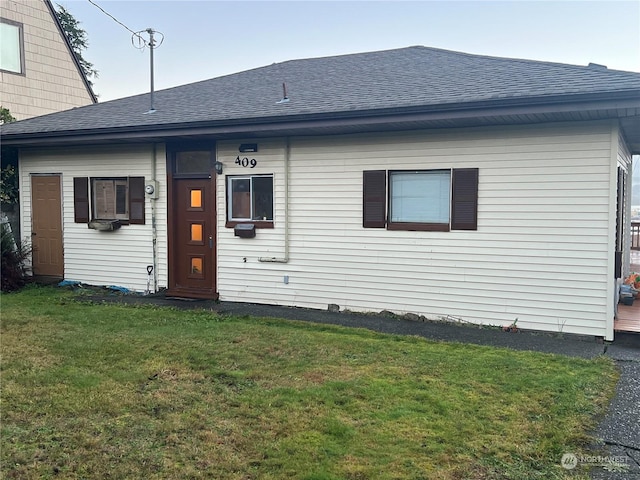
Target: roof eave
[[625, 103]]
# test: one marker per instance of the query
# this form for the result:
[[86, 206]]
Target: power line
[[142, 44], [115, 19]]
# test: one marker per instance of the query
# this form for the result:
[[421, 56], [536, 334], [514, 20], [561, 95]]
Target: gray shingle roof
[[384, 81]]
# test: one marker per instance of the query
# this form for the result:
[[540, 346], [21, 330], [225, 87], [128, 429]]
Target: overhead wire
[[141, 41], [110, 16]]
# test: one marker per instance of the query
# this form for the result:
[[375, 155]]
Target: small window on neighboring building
[[11, 46], [250, 199], [120, 198]]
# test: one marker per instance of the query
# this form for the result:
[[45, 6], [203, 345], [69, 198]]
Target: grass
[[105, 391]]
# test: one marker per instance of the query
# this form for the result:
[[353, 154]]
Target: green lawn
[[104, 391]]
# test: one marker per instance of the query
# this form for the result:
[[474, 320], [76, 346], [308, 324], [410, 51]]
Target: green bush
[[13, 271]]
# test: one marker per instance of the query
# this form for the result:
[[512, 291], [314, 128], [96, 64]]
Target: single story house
[[415, 180]]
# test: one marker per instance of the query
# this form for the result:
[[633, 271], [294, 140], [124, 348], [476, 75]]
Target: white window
[[250, 198], [420, 196], [110, 198], [11, 50]]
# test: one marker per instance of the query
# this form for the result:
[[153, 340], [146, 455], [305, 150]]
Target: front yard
[[104, 391]]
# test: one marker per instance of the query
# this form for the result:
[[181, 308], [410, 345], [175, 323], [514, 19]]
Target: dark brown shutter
[[374, 206], [81, 199], [464, 199], [136, 200]]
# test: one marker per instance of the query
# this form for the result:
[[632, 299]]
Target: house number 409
[[245, 162]]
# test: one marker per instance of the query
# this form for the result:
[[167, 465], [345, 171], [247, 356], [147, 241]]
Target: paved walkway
[[619, 431]]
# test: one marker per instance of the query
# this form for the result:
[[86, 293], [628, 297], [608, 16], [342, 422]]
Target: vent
[[597, 66]]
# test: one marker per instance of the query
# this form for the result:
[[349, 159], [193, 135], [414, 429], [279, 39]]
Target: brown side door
[[46, 226], [192, 259]]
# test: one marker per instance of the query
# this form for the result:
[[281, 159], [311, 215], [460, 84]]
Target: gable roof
[[409, 87]]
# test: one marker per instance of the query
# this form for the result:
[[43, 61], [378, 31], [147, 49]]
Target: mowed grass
[[104, 391]]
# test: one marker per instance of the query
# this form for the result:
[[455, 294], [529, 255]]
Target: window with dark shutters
[[464, 199], [81, 199], [413, 207], [111, 199], [374, 199]]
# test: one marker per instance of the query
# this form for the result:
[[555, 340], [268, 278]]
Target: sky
[[206, 39]]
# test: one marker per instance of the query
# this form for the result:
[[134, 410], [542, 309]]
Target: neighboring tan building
[[39, 73]]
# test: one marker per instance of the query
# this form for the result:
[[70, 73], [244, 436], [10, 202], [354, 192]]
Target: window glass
[[193, 162], [420, 197], [196, 198], [10, 48], [196, 266], [241, 198], [121, 198], [251, 198], [110, 198], [262, 198], [196, 232]]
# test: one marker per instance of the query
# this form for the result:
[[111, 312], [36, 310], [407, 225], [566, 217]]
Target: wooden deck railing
[[635, 235]]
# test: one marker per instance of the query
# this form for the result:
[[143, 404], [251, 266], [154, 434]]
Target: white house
[[415, 180]]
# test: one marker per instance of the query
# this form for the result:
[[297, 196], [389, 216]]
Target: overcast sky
[[206, 39]]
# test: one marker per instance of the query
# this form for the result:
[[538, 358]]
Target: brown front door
[[46, 226], [192, 271]]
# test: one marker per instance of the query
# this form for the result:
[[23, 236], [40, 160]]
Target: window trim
[[20, 27], [232, 222]]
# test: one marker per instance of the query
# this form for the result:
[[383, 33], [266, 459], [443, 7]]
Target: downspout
[[285, 259], [154, 227]]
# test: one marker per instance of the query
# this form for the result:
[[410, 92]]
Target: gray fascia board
[[372, 118]]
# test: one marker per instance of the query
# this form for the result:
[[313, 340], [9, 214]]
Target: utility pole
[[152, 44]]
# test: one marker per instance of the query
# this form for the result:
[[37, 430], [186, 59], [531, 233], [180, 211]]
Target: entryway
[[46, 226], [192, 222]]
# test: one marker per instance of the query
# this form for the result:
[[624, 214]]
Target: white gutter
[[285, 259]]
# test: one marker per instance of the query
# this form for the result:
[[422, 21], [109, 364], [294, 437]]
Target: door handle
[[210, 241], [33, 234]]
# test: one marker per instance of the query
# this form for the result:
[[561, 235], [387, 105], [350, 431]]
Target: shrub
[[13, 271]]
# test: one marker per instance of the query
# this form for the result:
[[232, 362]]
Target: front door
[[46, 226], [192, 236]]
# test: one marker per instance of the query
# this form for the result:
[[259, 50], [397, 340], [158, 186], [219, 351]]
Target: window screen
[[420, 197], [250, 198]]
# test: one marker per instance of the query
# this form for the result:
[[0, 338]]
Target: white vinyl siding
[[90, 256], [540, 253]]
